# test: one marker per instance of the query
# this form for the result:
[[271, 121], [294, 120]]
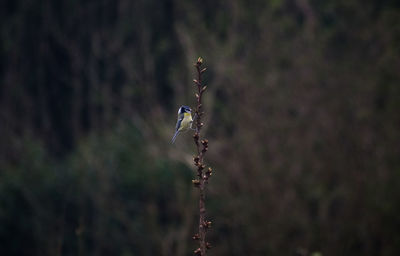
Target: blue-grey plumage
[[184, 120]]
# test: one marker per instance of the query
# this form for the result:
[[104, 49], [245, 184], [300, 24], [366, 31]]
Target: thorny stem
[[202, 173]]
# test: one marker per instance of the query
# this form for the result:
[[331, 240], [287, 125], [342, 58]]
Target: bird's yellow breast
[[186, 121]]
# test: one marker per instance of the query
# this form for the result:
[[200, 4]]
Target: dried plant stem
[[203, 175]]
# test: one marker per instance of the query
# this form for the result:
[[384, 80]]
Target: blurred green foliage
[[302, 114], [107, 197]]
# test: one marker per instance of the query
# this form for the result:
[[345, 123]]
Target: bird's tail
[[173, 138]]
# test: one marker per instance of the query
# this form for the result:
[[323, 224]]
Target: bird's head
[[184, 109]]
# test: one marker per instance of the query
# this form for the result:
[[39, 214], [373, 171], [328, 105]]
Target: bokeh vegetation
[[302, 116]]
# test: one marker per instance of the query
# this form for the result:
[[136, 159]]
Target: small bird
[[185, 120]]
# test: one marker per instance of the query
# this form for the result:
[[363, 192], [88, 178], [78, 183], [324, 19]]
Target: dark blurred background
[[302, 117]]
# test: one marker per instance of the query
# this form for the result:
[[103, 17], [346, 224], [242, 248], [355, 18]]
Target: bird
[[184, 122]]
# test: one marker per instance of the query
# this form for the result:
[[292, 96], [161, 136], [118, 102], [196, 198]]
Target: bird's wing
[[178, 124]]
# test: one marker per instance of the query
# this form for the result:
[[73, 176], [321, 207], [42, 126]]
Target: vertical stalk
[[203, 175]]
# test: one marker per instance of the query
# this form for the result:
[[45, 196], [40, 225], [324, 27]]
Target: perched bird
[[185, 120]]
